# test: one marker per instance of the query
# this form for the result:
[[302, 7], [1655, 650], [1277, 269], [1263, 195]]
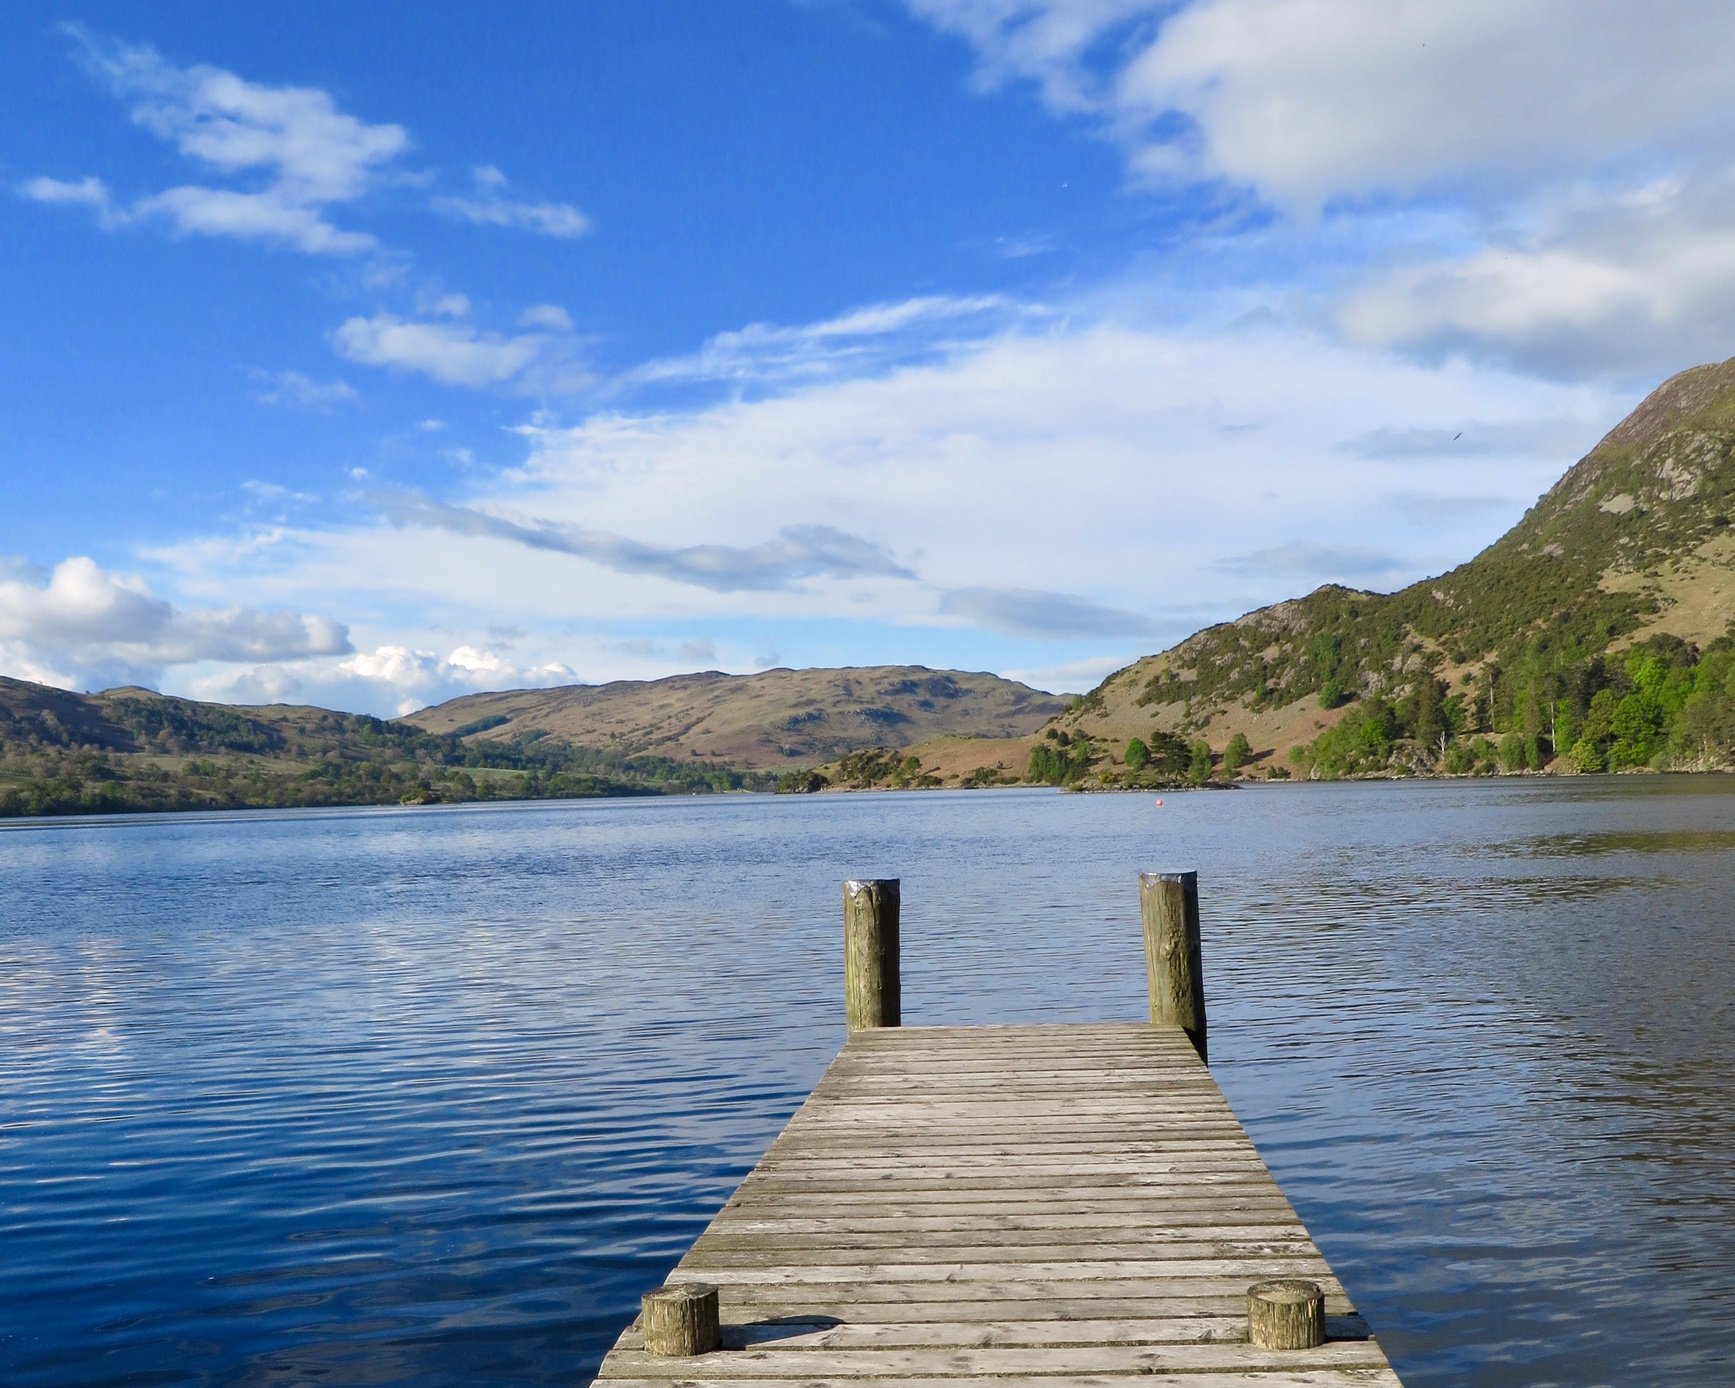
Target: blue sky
[[366, 355]]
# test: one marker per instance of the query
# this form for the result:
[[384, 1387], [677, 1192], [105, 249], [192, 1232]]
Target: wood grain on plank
[[1006, 1206]]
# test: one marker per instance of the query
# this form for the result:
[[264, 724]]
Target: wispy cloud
[[1042, 614], [293, 388], [85, 192], [455, 354], [1305, 559], [696, 653], [312, 155], [1431, 511], [799, 551], [1474, 438], [852, 341], [488, 205], [550, 316]]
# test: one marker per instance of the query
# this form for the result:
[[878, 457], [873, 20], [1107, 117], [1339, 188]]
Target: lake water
[[430, 1096]]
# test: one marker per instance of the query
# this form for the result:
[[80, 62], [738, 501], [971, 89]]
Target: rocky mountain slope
[[1629, 556], [770, 721]]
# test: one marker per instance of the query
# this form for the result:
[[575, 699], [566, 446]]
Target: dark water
[[430, 1096]]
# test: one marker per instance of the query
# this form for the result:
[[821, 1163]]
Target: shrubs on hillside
[[1664, 704]]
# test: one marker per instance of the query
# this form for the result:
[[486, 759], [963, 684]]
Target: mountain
[[775, 720], [134, 749], [1612, 600]]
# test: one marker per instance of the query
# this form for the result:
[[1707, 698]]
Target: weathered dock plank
[[1003, 1206]]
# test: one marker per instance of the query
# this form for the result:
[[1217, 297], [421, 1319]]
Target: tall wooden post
[[870, 953], [1174, 971]]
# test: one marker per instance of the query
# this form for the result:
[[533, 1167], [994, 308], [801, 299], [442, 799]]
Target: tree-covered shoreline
[[1663, 705]]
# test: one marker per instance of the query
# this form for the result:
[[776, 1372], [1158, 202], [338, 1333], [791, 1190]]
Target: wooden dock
[[1002, 1206]]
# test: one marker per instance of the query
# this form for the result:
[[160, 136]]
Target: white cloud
[[1538, 185], [1048, 42], [312, 155], [393, 679], [488, 206], [293, 388], [1041, 614], [86, 192], [453, 353], [551, 316], [1633, 279], [296, 135], [79, 602], [1278, 95], [1022, 462], [1069, 677], [875, 334], [92, 626], [267, 217], [991, 502], [276, 494]]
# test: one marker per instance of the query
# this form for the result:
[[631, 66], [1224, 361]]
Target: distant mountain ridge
[[773, 720], [135, 749]]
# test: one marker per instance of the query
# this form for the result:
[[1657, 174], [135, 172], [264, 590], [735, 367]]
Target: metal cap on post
[[870, 953], [1174, 970]]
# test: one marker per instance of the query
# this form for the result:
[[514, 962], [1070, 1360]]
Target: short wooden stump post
[[681, 1321], [1286, 1313]]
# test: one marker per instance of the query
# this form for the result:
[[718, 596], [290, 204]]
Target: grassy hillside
[[131, 749], [1593, 635], [775, 720]]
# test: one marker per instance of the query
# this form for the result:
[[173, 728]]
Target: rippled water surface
[[430, 1096]]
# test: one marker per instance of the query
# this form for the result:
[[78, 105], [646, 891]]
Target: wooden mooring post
[[871, 985], [1016, 1206], [1174, 963]]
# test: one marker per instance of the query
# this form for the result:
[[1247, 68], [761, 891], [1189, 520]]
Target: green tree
[[1424, 713], [1137, 754], [1637, 721], [1584, 757], [1236, 754], [1170, 753], [1199, 767]]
